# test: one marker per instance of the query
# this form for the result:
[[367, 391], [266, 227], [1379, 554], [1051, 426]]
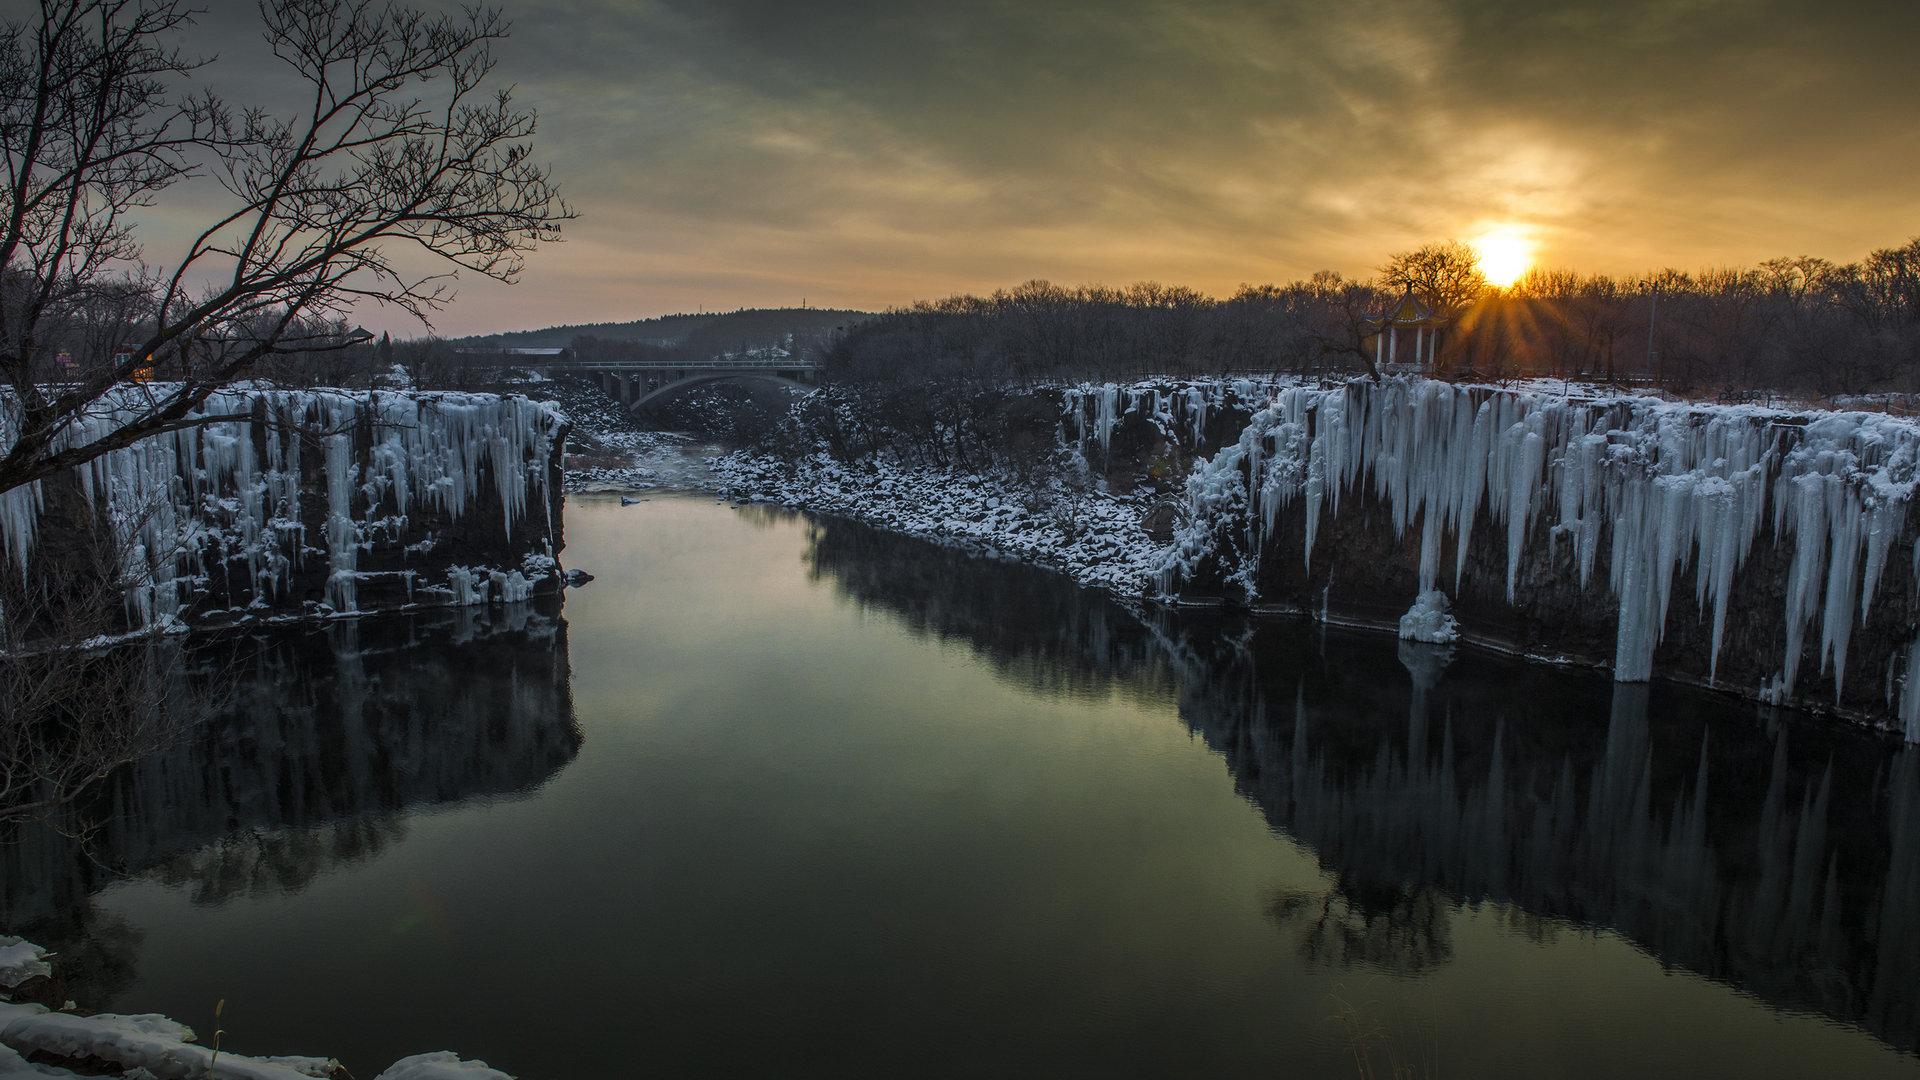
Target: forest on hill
[[723, 330]]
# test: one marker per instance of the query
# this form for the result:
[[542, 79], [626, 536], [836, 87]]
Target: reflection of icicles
[[1910, 693]]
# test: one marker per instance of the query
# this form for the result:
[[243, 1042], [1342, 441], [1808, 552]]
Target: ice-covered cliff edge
[[316, 501], [1557, 521]]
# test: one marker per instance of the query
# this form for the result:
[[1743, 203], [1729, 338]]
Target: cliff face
[[1751, 549], [313, 502]]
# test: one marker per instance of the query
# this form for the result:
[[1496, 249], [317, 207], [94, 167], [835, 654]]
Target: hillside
[[713, 331]]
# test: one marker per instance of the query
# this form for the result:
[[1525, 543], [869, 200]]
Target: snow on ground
[[607, 451], [1094, 537], [15, 1067], [150, 1045], [163, 1047]]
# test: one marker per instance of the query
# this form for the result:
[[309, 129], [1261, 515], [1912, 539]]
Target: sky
[[729, 153]]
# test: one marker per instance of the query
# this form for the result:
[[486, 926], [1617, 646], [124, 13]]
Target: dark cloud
[[729, 152]]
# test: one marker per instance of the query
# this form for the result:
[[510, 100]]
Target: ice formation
[[224, 498], [1664, 486], [1430, 620]]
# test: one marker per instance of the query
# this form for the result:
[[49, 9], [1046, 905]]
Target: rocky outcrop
[[315, 502], [1765, 552]]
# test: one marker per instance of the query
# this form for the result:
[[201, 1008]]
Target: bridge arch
[[675, 386]]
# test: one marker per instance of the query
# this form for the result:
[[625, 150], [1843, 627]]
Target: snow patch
[[440, 1065], [163, 1047], [21, 961]]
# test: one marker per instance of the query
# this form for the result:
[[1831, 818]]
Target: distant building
[[1413, 322]]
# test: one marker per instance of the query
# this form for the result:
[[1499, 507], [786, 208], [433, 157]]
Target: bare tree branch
[[400, 147]]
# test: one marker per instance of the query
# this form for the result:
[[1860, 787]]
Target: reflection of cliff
[[1781, 858], [1033, 627], [332, 733], [1760, 858]]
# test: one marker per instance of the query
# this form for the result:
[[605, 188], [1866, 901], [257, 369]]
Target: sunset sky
[[728, 153]]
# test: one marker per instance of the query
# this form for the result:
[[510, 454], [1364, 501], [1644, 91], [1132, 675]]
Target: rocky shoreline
[[1545, 523], [44, 1035]]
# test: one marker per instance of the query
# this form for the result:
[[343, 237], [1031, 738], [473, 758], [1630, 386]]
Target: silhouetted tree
[[399, 146]]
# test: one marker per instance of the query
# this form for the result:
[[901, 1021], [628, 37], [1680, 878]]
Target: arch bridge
[[636, 384]]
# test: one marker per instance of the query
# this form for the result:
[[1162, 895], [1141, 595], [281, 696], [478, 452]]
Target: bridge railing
[[683, 365]]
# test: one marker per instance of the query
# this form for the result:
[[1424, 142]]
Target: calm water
[[785, 798]]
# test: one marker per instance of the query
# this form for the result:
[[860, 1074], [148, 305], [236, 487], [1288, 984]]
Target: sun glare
[[1505, 255]]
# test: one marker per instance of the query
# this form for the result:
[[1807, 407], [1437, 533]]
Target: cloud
[[729, 152]]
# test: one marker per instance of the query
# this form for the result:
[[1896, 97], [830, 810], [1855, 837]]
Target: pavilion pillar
[[1393, 344]]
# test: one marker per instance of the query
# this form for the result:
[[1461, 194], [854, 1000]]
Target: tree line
[[1800, 326]]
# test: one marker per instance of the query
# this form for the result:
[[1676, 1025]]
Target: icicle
[[1670, 487], [206, 500]]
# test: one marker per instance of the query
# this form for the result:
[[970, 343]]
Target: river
[[776, 796]]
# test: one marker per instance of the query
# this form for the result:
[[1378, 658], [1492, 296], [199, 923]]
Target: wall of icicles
[[1681, 525], [312, 502]]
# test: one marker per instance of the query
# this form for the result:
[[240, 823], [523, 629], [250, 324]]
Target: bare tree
[[399, 147], [1344, 318], [1445, 276]]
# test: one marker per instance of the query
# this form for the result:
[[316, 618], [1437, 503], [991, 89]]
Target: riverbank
[[1212, 813], [1553, 522], [1096, 538], [43, 1035]]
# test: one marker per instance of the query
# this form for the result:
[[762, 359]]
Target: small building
[[1411, 320]]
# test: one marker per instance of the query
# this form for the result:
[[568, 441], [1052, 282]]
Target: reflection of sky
[[851, 153], [801, 839]]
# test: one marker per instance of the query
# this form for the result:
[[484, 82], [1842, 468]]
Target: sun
[[1504, 253]]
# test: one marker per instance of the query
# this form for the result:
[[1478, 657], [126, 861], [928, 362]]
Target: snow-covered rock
[[1429, 620], [21, 961], [164, 1048], [1093, 536], [158, 1048], [441, 1065]]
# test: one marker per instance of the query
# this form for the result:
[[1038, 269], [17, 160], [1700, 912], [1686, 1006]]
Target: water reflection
[[332, 734], [1780, 857]]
